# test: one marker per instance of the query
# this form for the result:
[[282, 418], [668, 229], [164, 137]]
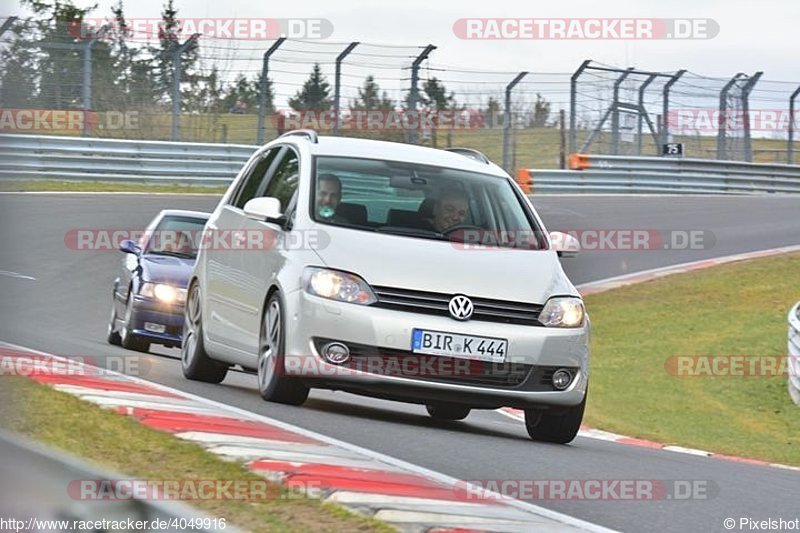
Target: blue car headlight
[[163, 292]]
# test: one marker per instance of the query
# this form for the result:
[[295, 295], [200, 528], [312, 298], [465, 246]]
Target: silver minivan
[[389, 270]]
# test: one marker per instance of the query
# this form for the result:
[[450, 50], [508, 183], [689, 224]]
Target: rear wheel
[[448, 411], [273, 383], [128, 339], [195, 362], [559, 428]]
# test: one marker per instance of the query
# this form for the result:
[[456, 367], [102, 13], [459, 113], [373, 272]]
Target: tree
[[18, 71], [315, 94], [541, 113], [51, 47], [169, 39], [491, 113], [369, 97], [435, 96]]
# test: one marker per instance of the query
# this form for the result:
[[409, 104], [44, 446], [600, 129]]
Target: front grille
[[434, 303], [441, 369]]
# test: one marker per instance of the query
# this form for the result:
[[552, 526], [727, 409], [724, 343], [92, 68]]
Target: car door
[[223, 236], [260, 266]]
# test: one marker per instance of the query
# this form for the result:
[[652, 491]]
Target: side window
[[251, 182], [284, 179]]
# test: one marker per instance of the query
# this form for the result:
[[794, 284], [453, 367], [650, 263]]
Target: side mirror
[[129, 247], [265, 209], [564, 244]]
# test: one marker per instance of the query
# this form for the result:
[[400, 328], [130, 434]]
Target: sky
[[754, 35]]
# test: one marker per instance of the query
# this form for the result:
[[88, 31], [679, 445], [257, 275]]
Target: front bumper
[[149, 315], [310, 318]]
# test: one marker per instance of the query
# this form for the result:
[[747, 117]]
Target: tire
[[448, 411], [128, 339], [273, 384], [558, 428], [113, 336], [195, 362]]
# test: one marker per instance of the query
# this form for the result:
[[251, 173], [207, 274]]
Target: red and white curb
[[649, 275], [409, 497]]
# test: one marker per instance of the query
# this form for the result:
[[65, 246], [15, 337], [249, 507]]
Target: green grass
[[93, 186], [741, 309], [121, 444]]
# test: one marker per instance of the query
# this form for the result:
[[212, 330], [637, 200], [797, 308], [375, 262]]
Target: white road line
[[15, 275]]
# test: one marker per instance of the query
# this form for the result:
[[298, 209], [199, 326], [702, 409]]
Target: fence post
[[640, 116], [722, 150], [338, 83], [507, 122], [615, 111], [176, 85], [562, 151], [413, 95], [665, 105], [573, 105], [262, 92], [792, 123], [748, 142]]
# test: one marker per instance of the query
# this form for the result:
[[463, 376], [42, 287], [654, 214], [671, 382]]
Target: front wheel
[[113, 336], [128, 339], [273, 383], [558, 428], [195, 362]]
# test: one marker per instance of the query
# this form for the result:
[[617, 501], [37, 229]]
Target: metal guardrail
[[73, 158], [39, 484], [620, 182], [674, 165], [659, 175], [793, 362]]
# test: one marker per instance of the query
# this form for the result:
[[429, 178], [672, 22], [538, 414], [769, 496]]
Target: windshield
[[177, 236], [422, 201]]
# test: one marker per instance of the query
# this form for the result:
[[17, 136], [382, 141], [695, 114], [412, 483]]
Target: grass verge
[[734, 309], [97, 186], [120, 443]]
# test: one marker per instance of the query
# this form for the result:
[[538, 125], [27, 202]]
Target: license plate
[[488, 349], [155, 328]]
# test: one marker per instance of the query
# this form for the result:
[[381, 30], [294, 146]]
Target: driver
[[450, 210]]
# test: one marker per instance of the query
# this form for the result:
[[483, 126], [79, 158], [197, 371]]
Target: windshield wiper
[[183, 255], [411, 232]]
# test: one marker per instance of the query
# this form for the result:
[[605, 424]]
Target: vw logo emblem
[[460, 307]]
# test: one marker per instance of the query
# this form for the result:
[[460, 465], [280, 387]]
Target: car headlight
[[562, 312], [163, 292], [336, 285]]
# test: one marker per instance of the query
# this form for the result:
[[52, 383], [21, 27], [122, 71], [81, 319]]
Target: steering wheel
[[463, 227]]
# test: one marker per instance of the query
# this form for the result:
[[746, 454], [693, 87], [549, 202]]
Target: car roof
[[350, 147]]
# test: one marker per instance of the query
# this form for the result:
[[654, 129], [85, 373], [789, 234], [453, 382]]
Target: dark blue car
[[149, 295]]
